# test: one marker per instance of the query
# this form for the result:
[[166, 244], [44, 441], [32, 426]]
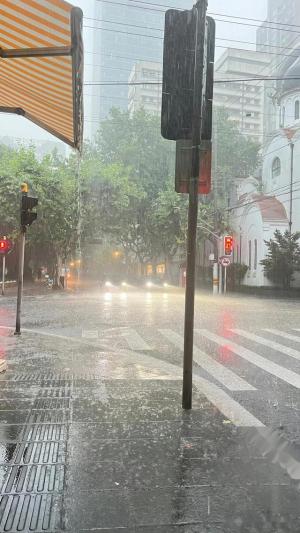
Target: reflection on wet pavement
[[93, 437]]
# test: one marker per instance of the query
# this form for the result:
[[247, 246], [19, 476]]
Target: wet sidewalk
[[97, 441]]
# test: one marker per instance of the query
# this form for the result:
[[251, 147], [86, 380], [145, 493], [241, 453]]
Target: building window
[[149, 270], [161, 269], [249, 256], [276, 167], [255, 254], [297, 110]]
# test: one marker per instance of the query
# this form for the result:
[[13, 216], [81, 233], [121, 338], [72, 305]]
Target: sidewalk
[[97, 441]]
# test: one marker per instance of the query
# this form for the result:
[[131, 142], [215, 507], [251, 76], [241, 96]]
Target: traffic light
[[228, 245], [27, 215], [5, 246]]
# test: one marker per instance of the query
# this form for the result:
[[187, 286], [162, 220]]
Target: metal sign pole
[[200, 10], [3, 275], [225, 280]]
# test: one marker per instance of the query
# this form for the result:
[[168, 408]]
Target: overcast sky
[[20, 127]]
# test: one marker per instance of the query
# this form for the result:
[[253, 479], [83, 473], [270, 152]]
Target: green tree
[[283, 258], [52, 238], [149, 224]]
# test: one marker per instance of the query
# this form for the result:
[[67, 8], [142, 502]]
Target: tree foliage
[[126, 195], [283, 258]]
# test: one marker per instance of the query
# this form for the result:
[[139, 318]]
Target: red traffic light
[[5, 246], [228, 245]]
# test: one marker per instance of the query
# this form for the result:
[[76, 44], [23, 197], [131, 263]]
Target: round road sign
[[225, 261]]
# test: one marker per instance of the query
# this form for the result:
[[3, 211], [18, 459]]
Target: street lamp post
[[291, 185]]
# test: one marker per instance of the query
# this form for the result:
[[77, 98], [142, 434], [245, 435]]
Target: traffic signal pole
[[3, 274], [20, 279], [193, 210], [27, 218]]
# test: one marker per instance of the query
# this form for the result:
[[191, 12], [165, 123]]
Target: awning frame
[[76, 52]]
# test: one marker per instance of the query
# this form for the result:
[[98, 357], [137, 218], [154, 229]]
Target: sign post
[[225, 262], [187, 94]]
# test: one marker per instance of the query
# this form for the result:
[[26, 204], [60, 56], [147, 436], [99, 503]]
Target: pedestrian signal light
[[228, 245], [5, 246]]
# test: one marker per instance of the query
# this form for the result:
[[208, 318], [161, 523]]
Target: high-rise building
[[242, 99], [278, 37], [127, 33], [146, 94]]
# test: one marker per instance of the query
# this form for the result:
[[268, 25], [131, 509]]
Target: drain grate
[[29, 513], [34, 478]]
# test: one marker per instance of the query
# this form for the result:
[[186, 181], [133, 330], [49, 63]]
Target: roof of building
[[270, 208]]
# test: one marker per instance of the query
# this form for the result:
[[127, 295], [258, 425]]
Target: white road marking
[[231, 409], [226, 405], [238, 415], [225, 376], [267, 342], [134, 340], [276, 370], [90, 333], [279, 333]]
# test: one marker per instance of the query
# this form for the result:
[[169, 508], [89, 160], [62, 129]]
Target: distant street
[[92, 434]]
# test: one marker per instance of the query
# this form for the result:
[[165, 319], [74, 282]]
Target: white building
[[147, 92], [264, 206], [243, 100]]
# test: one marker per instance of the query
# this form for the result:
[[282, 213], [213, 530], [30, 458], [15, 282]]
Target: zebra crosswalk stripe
[[222, 374], [134, 340], [272, 368], [279, 333], [267, 342], [230, 408]]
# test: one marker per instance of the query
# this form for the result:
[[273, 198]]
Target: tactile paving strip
[[33, 475], [24, 512], [34, 478]]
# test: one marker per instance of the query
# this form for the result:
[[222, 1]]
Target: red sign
[[5, 246], [183, 170]]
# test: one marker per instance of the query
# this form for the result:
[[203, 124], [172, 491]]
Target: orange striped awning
[[41, 65]]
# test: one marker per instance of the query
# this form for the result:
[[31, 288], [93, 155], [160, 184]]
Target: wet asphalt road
[[92, 434]]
